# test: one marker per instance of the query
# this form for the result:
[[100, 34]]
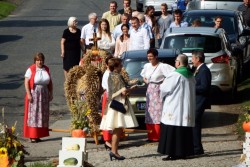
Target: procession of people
[[176, 97]]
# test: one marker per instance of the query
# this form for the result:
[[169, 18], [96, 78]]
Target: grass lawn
[[6, 8]]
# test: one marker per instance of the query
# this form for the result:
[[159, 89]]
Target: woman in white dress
[[115, 120], [107, 41]]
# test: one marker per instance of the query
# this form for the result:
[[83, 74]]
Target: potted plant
[[80, 122], [11, 149]]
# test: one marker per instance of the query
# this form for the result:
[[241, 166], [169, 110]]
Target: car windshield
[[207, 20], [188, 43], [134, 67]]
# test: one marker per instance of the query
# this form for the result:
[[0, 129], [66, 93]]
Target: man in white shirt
[[139, 37], [118, 31], [178, 20], [88, 30], [145, 25]]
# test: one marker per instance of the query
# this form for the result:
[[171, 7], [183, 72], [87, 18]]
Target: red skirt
[[31, 132], [155, 134], [107, 136]]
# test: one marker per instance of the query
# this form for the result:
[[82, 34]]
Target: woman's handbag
[[118, 106]]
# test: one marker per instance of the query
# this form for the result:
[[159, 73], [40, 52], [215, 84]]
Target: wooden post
[[60, 130], [95, 136], [136, 131], [100, 133]]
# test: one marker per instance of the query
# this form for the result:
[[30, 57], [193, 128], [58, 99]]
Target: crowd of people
[[176, 97], [118, 31], [126, 29]]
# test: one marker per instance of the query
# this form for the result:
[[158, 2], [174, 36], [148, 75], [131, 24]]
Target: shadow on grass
[[243, 91], [243, 95], [217, 119]]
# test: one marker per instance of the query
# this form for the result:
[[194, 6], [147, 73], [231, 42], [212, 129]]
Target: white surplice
[[179, 100]]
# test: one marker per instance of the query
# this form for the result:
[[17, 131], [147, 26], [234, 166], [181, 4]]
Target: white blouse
[[121, 47], [105, 80], [105, 42], [41, 76], [156, 74]]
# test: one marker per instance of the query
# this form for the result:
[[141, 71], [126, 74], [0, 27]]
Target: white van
[[157, 4], [214, 4]]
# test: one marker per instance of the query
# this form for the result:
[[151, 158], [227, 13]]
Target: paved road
[[222, 147]]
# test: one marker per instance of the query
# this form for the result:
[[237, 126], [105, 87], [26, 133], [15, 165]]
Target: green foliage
[[80, 115], [5, 9], [243, 97], [239, 129], [244, 116], [244, 92], [245, 84]]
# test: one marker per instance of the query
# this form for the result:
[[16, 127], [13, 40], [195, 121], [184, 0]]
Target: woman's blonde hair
[[71, 21]]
